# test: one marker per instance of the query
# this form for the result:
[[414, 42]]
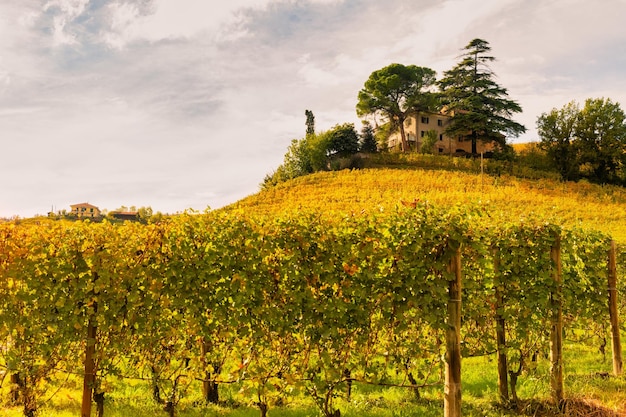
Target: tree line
[[480, 107], [587, 142]]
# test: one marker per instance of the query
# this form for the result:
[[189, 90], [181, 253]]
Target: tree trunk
[[170, 409], [16, 386], [328, 405], [156, 392], [98, 398], [210, 391], [30, 410], [415, 388], [513, 382], [405, 144], [170, 405], [21, 394], [29, 400], [474, 143], [348, 377]]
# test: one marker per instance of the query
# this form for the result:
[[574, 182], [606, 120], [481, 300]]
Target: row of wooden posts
[[452, 389]]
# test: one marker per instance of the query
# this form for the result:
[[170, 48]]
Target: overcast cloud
[[179, 104]]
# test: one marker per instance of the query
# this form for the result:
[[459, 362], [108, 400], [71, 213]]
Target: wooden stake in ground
[[90, 369], [452, 395], [556, 331], [613, 313], [503, 384]]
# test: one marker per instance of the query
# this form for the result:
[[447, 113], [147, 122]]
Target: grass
[[588, 383]]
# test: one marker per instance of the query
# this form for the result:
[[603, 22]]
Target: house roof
[[83, 205]]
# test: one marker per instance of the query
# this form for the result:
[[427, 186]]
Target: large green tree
[[601, 133], [342, 140], [588, 141], [557, 130], [480, 107], [395, 91]]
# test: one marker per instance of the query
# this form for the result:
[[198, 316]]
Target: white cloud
[[172, 19], [68, 11], [68, 8], [316, 76], [189, 103]]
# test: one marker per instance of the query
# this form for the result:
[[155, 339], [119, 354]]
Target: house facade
[[85, 210], [416, 127]]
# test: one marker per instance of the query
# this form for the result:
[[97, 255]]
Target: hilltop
[[504, 191]]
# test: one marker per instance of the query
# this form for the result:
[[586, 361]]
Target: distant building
[[418, 124], [85, 210], [125, 215]]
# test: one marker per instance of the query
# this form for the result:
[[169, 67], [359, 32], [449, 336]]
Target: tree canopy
[[480, 107], [342, 140], [395, 91], [557, 132], [588, 142]]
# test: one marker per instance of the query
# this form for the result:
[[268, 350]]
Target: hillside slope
[[504, 198]]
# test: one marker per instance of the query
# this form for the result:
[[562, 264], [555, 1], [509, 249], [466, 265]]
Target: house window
[[440, 150], [422, 133], [424, 120], [439, 122], [441, 136]]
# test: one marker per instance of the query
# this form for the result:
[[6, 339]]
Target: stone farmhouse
[[85, 210], [418, 124]]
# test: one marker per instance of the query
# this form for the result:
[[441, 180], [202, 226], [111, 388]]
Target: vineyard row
[[292, 303]]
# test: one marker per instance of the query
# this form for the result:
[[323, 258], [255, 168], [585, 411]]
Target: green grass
[[587, 376]]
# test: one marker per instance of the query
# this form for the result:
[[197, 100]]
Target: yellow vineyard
[[503, 198]]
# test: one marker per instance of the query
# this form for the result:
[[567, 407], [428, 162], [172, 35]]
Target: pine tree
[[368, 140], [310, 123], [480, 107]]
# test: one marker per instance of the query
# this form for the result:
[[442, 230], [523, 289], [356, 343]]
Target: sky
[[188, 104]]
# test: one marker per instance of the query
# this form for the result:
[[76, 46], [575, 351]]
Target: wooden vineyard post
[[204, 348], [556, 331], [613, 313], [503, 383], [452, 394], [90, 369]]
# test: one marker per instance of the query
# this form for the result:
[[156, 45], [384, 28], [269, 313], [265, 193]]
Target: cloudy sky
[[179, 104]]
